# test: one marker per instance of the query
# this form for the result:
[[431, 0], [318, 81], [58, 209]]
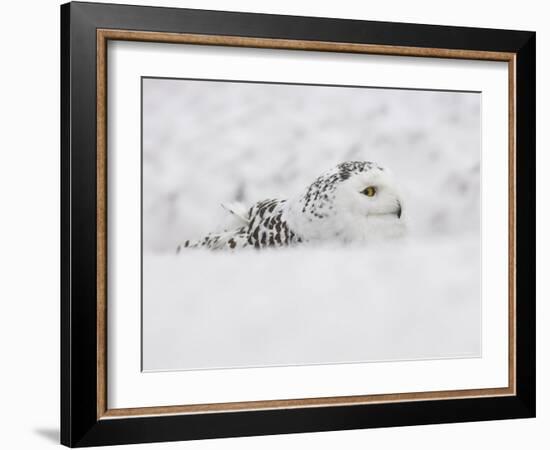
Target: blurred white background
[[31, 141], [207, 143]]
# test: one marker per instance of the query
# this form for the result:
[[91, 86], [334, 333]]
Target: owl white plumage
[[356, 201]]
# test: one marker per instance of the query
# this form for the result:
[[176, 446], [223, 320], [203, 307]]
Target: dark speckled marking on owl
[[320, 193], [265, 228]]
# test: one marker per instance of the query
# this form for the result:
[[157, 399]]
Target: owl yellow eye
[[369, 191]]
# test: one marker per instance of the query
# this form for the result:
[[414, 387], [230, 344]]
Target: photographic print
[[278, 224], [291, 224]]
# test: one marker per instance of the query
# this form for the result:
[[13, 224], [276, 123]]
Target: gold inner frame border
[[104, 35]]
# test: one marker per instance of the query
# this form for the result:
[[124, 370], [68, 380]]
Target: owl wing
[[261, 226], [267, 227], [218, 241]]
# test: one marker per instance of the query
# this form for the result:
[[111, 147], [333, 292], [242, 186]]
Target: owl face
[[356, 201], [368, 206]]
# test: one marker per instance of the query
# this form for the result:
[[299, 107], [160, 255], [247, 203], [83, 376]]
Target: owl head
[[355, 201]]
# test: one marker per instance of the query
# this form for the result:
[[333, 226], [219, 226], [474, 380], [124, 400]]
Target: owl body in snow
[[355, 201]]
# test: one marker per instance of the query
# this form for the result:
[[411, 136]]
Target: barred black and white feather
[[264, 227]]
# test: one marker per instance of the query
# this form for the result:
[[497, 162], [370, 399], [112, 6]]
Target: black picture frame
[[80, 425]]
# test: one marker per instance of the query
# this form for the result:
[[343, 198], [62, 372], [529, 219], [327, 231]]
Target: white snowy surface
[[391, 301], [206, 143]]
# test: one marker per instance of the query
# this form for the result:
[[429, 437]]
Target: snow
[[206, 143], [386, 302]]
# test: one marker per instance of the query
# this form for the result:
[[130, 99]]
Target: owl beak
[[398, 209]]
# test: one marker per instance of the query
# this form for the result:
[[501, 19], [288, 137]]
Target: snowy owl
[[354, 201]]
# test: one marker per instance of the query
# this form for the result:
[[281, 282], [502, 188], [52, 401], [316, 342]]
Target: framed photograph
[[277, 224]]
